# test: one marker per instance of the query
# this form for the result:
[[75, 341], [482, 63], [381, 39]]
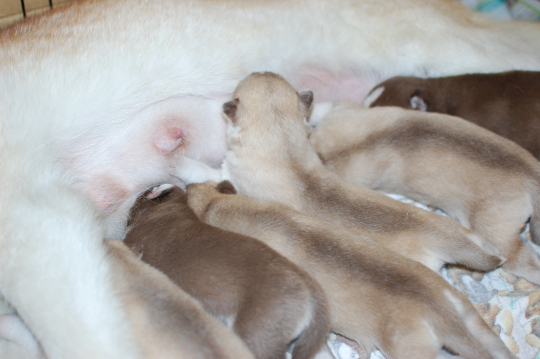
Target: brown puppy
[[168, 323], [377, 297], [506, 103], [482, 180], [270, 157], [268, 300]]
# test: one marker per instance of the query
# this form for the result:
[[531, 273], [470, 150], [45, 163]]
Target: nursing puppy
[[506, 103], [101, 100], [376, 297], [486, 182], [266, 109], [167, 322], [268, 301]]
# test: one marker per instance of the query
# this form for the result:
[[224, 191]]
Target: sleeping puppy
[[266, 109], [168, 322], [268, 301], [486, 182], [102, 99], [506, 103], [376, 296]]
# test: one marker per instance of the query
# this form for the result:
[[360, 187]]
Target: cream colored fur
[[267, 110], [376, 297], [484, 181], [102, 99]]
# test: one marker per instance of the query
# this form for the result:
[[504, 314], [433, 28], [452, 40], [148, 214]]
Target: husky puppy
[[175, 325], [103, 99], [506, 103], [266, 109], [484, 181], [268, 300], [376, 296]]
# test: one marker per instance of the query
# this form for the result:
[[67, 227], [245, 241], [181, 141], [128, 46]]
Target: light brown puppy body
[[270, 157], [166, 321], [377, 297], [268, 300], [485, 182]]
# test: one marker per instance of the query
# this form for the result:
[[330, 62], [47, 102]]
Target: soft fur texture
[[506, 103], [167, 322], [267, 300], [377, 297], [484, 181], [266, 109], [101, 100]]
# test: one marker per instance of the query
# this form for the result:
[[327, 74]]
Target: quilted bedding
[[510, 305]]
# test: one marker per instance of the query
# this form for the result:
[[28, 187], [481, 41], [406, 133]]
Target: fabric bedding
[[510, 305]]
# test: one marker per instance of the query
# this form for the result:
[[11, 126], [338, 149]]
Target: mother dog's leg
[[85, 72], [54, 271]]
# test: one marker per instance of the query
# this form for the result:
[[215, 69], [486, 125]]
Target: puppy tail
[[314, 336]]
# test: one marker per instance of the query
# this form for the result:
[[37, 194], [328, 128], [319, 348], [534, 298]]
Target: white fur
[[373, 96], [85, 88]]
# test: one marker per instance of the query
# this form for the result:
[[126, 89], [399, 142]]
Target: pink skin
[[189, 127]]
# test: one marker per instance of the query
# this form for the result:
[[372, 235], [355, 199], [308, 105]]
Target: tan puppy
[[167, 322], [270, 157], [268, 301], [377, 297], [102, 99], [484, 181], [506, 103]]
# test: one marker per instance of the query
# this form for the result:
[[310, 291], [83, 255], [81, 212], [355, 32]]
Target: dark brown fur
[[237, 278], [166, 321], [505, 103]]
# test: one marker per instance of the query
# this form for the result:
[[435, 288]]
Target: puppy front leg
[[192, 171]]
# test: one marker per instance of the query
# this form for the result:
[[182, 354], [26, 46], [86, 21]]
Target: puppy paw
[[192, 171]]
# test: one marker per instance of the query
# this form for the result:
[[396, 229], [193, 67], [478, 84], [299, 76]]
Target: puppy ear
[[226, 187], [306, 101], [230, 108], [418, 101]]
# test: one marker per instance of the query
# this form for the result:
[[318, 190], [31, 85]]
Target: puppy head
[[267, 120], [401, 91], [266, 99], [200, 195], [171, 196]]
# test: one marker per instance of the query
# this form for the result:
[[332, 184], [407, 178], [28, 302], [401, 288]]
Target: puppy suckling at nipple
[[486, 182], [267, 110], [507, 103], [268, 301], [376, 297]]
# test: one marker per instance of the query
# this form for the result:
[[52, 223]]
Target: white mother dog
[[103, 99]]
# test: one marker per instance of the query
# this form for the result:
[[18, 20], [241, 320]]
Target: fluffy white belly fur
[[102, 99]]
